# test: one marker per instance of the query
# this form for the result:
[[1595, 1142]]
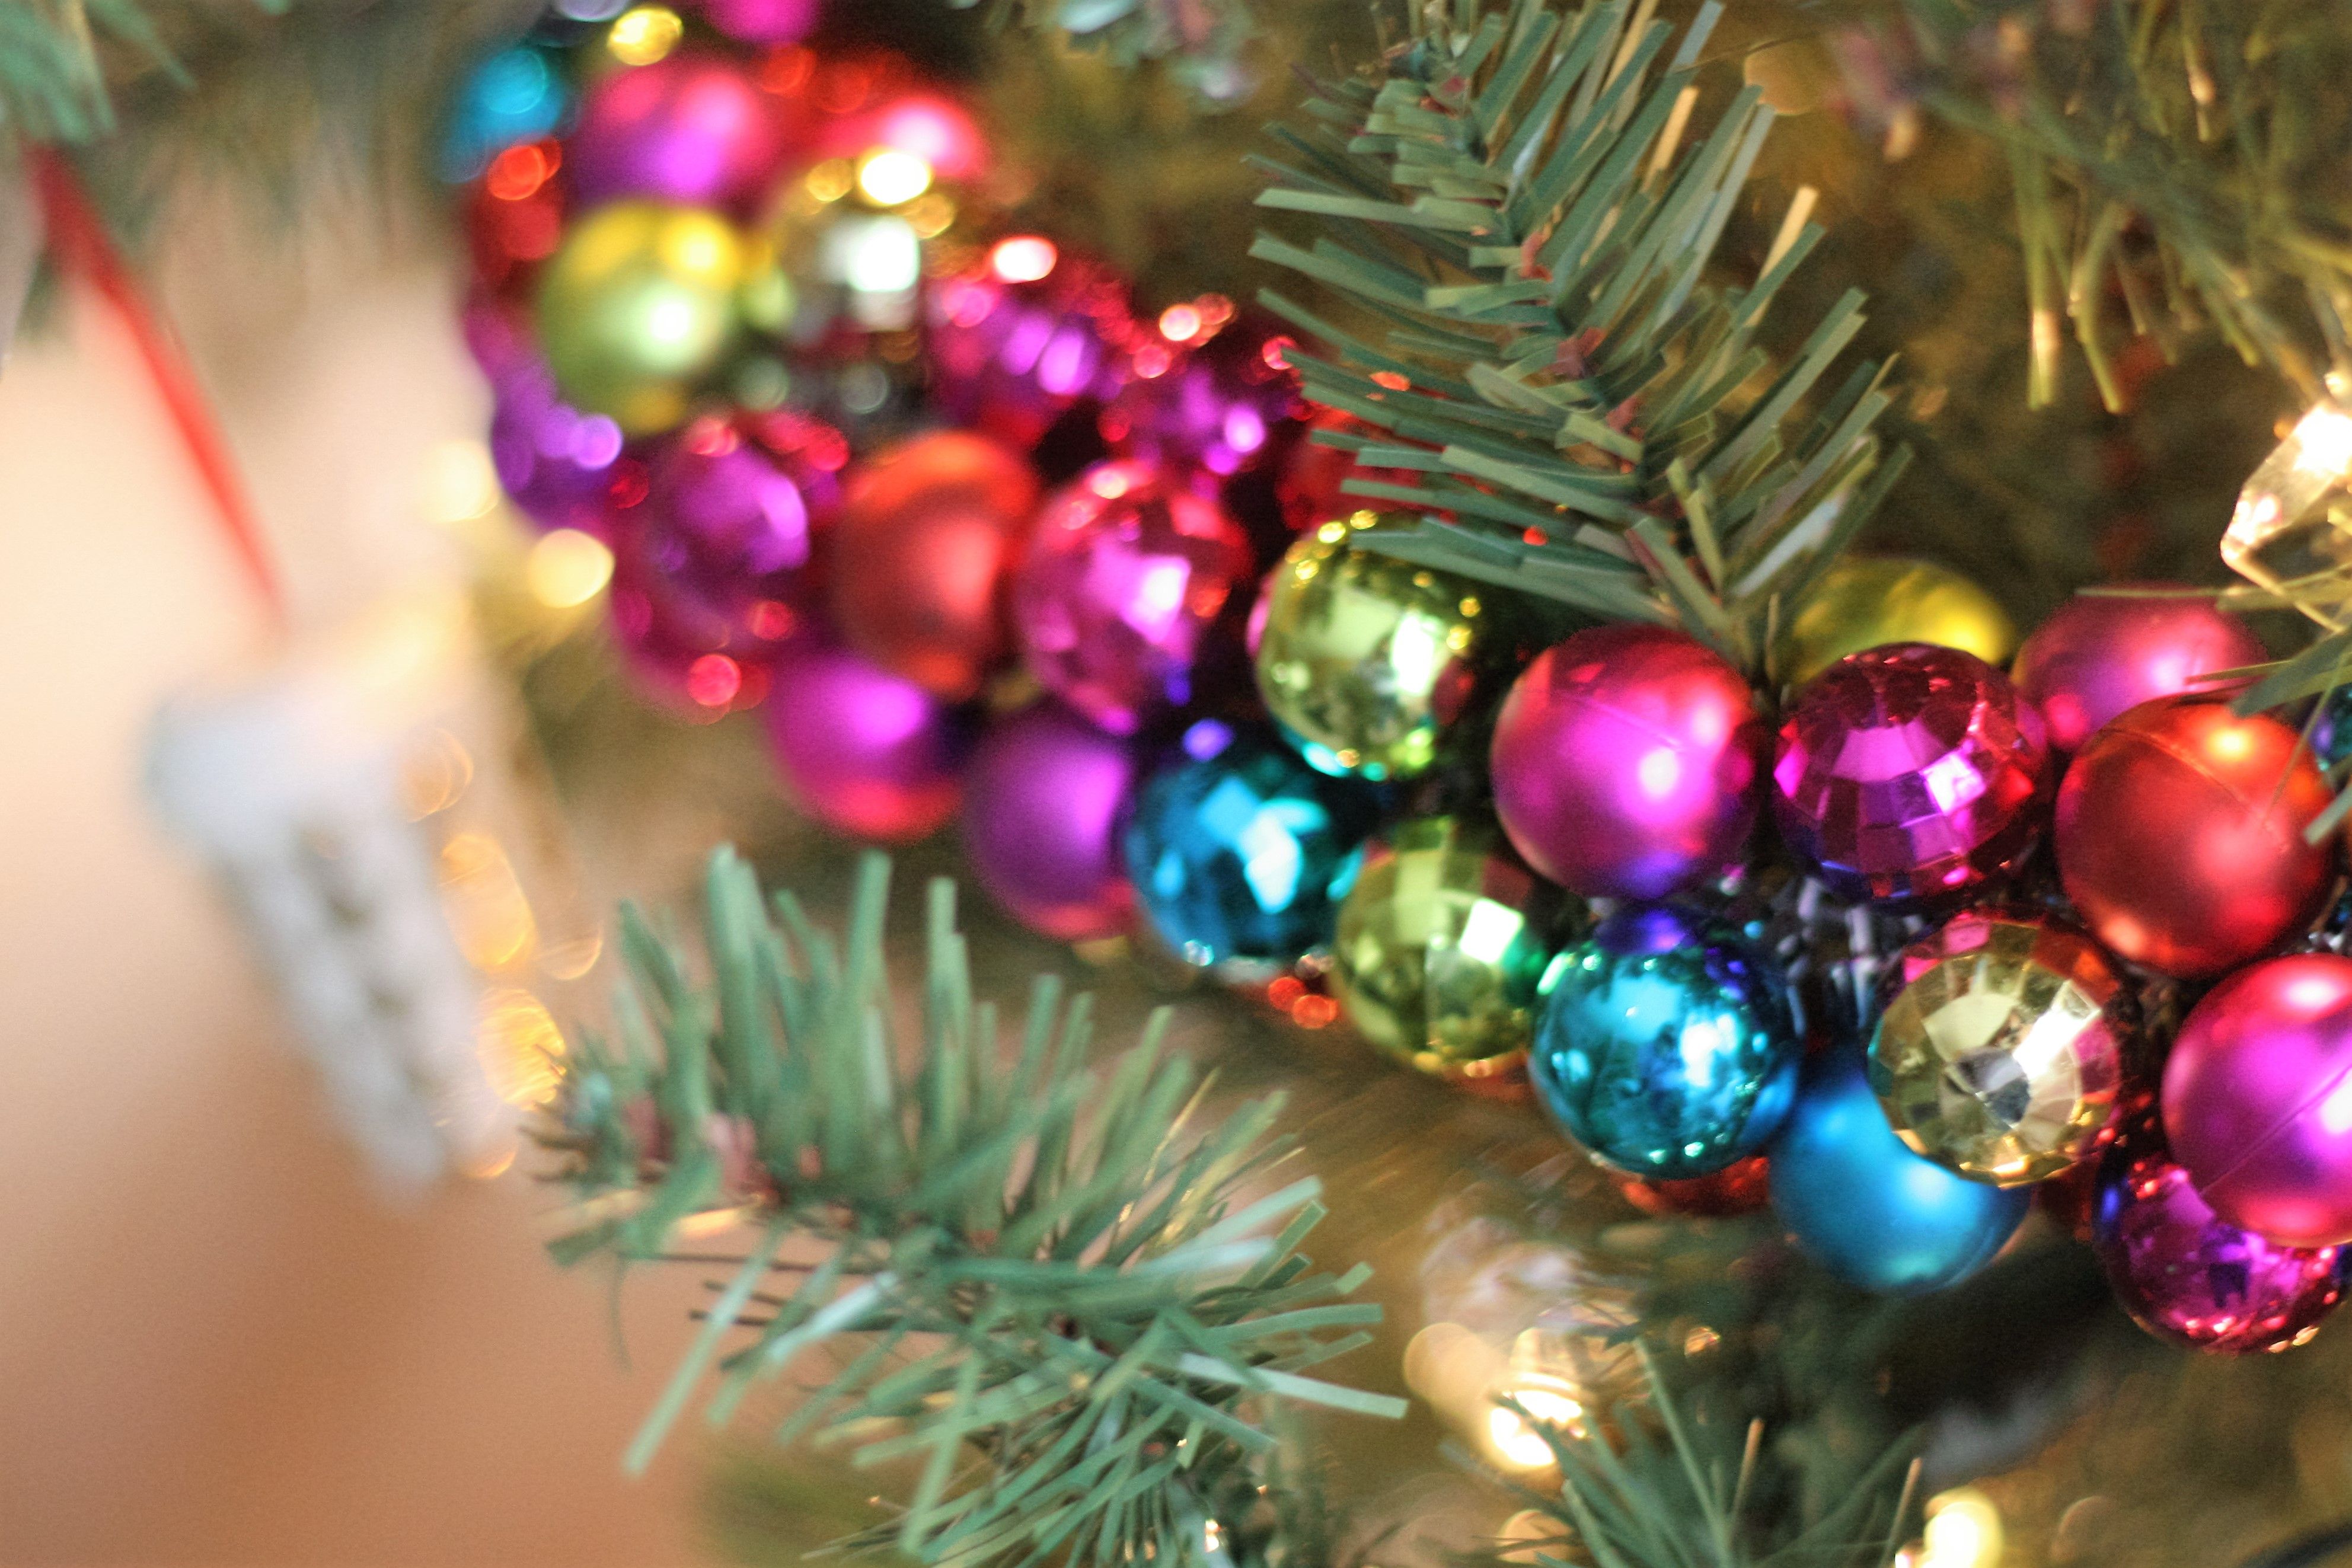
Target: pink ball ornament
[[762, 22], [691, 127], [1016, 340], [2257, 1099], [1042, 810], [1908, 771], [2096, 656], [1626, 762], [1210, 389], [864, 752], [1125, 571]]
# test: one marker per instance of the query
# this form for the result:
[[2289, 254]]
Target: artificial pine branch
[[1528, 208], [1073, 1311]]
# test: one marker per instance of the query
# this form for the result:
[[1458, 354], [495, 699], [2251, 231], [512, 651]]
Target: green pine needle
[[1523, 215], [1074, 1306]]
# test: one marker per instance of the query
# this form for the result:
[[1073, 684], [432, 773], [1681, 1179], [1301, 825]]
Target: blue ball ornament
[[1240, 852], [1665, 1044], [515, 96], [1863, 1206]]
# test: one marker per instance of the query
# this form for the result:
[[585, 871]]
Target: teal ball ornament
[[1861, 1205], [1240, 852], [1665, 1043]]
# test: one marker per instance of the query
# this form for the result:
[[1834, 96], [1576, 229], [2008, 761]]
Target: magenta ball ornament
[[766, 23], [867, 753], [1014, 341], [555, 463], [691, 127], [1627, 762], [1044, 805], [1127, 569], [1908, 771], [2257, 1099], [2186, 1275], [2097, 655]]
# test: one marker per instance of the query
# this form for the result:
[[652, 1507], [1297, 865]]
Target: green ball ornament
[[1442, 945], [1364, 659], [638, 307]]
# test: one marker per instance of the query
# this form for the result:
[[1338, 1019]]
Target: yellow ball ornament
[[1867, 602], [1441, 944], [1364, 659], [638, 307]]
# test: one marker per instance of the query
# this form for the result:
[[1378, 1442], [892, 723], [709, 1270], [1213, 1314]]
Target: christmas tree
[[1477, 547]]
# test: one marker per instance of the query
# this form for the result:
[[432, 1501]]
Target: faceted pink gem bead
[[1124, 574], [1909, 771]]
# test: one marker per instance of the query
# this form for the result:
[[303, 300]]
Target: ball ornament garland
[[1627, 762], [1999, 1053], [2180, 836], [1364, 660]]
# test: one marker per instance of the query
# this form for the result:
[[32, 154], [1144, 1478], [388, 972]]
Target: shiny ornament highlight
[[864, 752], [1440, 945], [1627, 762], [1909, 771], [1127, 569], [1999, 1053], [2186, 1275], [2099, 655], [1214, 391], [2179, 836], [2257, 1099], [1741, 1189], [1044, 805], [1868, 601], [692, 128], [928, 532], [1365, 660], [1865, 1207], [1240, 852], [637, 308], [1665, 1044]]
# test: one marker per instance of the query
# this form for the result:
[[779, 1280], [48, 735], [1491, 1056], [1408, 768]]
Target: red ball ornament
[[1308, 488], [1741, 1189], [2257, 1099], [2179, 836], [1626, 762], [1908, 771], [928, 529], [2098, 655], [864, 752], [1127, 571]]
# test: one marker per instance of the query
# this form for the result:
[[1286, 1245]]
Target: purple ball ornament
[[2186, 1275], [691, 127], [555, 462], [765, 23], [2257, 1099], [1014, 341], [1909, 771], [1626, 762], [1125, 571], [867, 753], [2097, 655], [1044, 807], [1211, 390]]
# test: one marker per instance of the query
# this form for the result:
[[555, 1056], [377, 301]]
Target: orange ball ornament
[[930, 529], [2180, 836]]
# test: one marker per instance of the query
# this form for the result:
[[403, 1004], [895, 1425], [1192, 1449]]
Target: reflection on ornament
[[1364, 660], [1440, 945], [1908, 771], [638, 308], [2180, 836], [1867, 602], [1741, 1189], [1664, 1043], [2000, 1054], [2287, 533]]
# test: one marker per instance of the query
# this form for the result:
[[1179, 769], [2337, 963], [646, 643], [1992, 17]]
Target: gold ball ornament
[[2000, 1054], [638, 307], [1867, 602], [1441, 944], [1364, 659]]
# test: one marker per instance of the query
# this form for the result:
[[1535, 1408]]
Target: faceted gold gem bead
[[1364, 659], [2000, 1054], [1441, 944], [1868, 601]]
